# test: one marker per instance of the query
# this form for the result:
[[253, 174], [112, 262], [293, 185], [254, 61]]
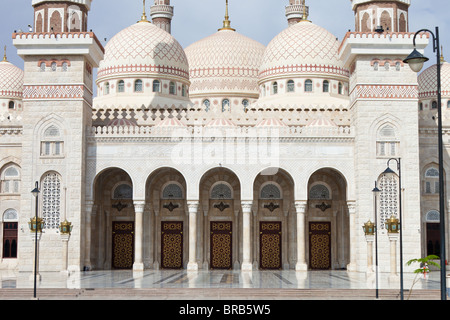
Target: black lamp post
[[376, 191], [416, 61], [36, 227], [388, 172]]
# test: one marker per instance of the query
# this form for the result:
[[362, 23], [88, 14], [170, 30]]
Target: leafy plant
[[424, 263]]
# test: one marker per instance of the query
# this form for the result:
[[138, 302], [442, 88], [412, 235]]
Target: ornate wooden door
[[320, 245], [270, 245], [123, 245], [221, 245], [172, 244]]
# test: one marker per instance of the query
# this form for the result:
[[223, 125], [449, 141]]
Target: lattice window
[[388, 198], [319, 191], [51, 201], [221, 191], [172, 191], [290, 86], [123, 191], [270, 191], [433, 216]]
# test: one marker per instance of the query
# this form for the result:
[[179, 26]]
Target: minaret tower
[[59, 61], [381, 15], [162, 14], [296, 11]]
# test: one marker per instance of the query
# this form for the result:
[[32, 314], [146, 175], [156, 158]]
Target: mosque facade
[[250, 158]]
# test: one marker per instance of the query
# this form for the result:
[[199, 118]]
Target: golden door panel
[[270, 245], [123, 245], [171, 245], [320, 245], [221, 245]]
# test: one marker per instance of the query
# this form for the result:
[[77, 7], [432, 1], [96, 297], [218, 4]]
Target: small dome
[[170, 122], [121, 123], [144, 48], [303, 48], [11, 80], [225, 62], [220, 123], [271, 122], [428, 81]]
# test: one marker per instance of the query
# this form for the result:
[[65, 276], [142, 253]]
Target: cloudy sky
[[261, 20]]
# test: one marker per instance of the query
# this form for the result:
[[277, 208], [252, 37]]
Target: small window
[[308, 86], [107, 88], [53, 66], [10, 180], [156, 86], [326, 86], [121, 86], [397, 66], [290, 86], [206, 104], [138, 86], [11, 105], [221, 191], [123, 191], [434, 105], [245, 103], [225, 105], [172, 191], [420, 106], [172, 88], [275, 88], [52, 144], [270, 191], [387, 66], [183, 91], [448, 104], [65, 67], [42, 67], [375, 66], [341, 88]]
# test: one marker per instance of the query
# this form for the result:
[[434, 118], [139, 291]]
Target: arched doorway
[[274, 224], [328, 241], [112, 221], [166, 238], [220, 202]]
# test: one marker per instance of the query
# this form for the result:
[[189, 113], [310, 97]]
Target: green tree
[[424, 263]]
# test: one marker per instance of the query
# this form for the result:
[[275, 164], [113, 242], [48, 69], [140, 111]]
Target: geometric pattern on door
[[221, 245], [171, 244], [270, 245], [123, 245], [320, 245]]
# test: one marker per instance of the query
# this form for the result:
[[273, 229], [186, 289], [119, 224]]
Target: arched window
[[420, 106], [308, 86], [172, 191], [275, 88], [434, 105], [387, 66], [42, 67], [221, 191], [53, 66], [121, 86], [326, 86], [11, 105], [156, 86], [386, 21], [245, 104], [51, 200], [106, 88], [123, 191], [319, 192], [183, 90], [10, 229], [388, 145], [431, 180], [52, 142], [138, 86], [172, 88], [65, 66], [290, 86], [225, 105], [448, 104], [10, 179], [206, 104], [341, 88], [375, 66], [270, 191]]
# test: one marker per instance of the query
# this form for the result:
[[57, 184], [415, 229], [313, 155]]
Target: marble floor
[[288, 279]]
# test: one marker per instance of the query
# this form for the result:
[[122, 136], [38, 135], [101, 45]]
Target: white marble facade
[[283, 138]]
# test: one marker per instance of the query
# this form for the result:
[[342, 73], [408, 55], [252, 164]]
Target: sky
[[194, 20]]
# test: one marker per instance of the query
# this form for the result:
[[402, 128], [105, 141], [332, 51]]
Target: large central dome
[[300, 49], [144, 48]]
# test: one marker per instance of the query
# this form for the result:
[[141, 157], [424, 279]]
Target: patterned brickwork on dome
[[11, 80], [302, 48], [428, 81], [224, 61], [145, 48]]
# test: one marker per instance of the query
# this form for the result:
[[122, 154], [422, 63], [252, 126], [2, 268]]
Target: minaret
[[296, 11], [162, 14], [381, 16], [226, 22]]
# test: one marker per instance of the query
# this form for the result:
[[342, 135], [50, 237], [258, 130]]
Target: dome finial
[[442, 55], [5, 59], [144, 15], [226, 22], [305, 12]]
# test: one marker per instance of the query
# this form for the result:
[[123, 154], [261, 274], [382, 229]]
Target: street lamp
[[389, 173], [416, 61], [376, 192], [36, 226]]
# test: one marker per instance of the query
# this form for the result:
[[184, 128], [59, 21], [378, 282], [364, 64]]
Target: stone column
[[87, 238], [138, 235], [370, 239], [353, 235], [246, 236], [192, 207], [300, 207], [393, 237], [65, 240]]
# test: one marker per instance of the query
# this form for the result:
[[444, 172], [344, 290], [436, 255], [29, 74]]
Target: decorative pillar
[[353, 236], [246, 236], [138, 264], [369, 232], [65, 228], [192, 207], [300, 207], [87, 237], [393, 237]]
